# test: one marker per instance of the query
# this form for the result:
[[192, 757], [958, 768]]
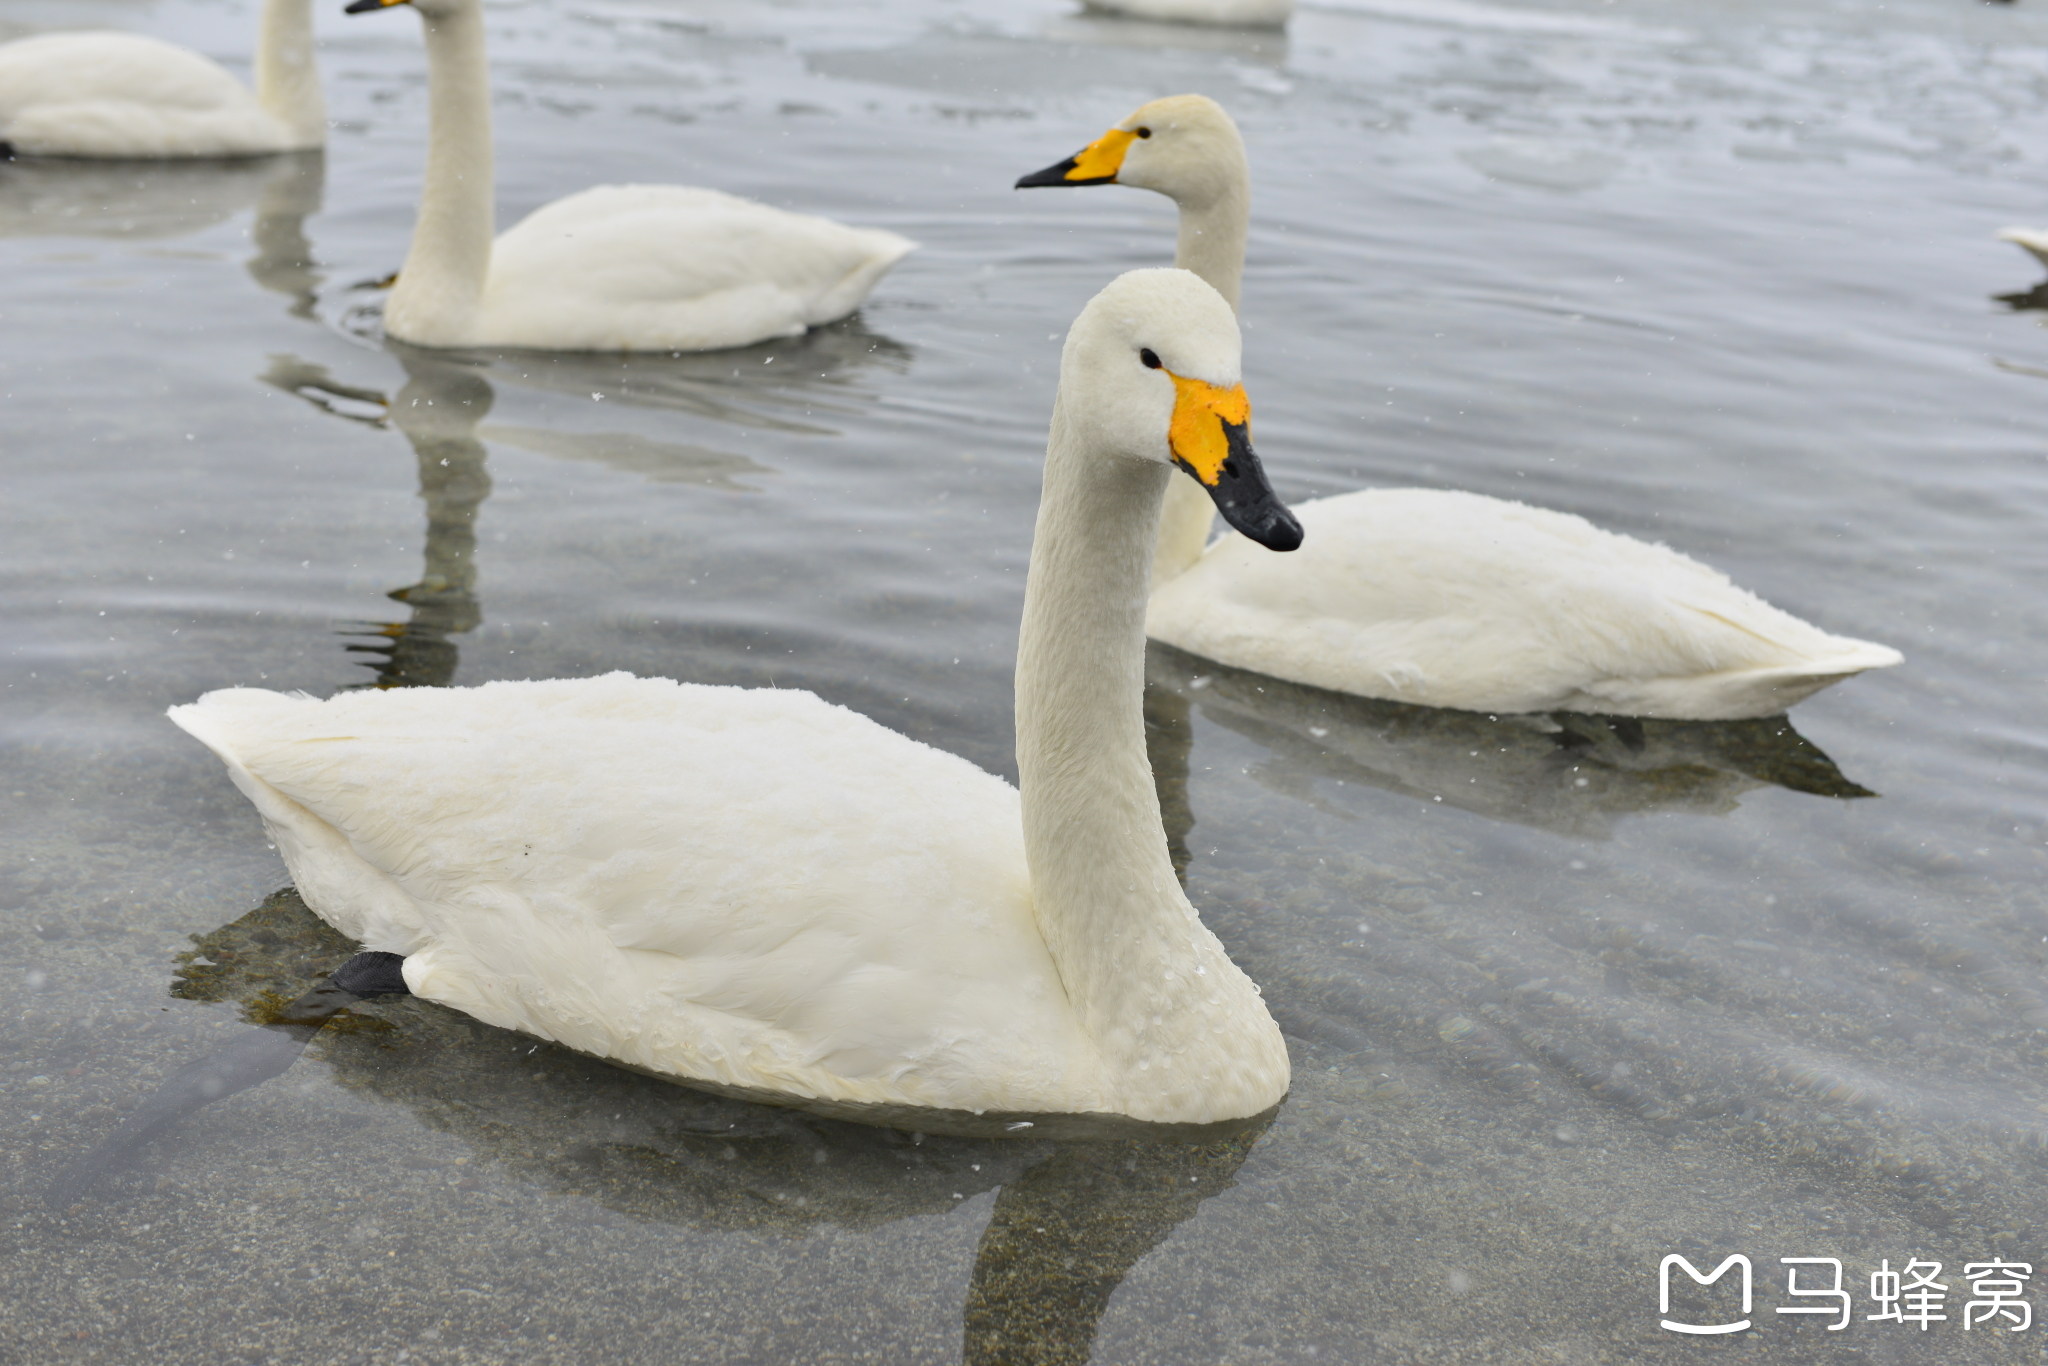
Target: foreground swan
[[615, 268], [759, 891], [1441, 598], [125, 95]]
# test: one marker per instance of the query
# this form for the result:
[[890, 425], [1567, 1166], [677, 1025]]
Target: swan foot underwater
[[1432, 596], [756, 892]]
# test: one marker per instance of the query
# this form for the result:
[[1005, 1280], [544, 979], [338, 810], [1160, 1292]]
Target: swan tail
[[1734, 694], [2034, 241], [882, 250]]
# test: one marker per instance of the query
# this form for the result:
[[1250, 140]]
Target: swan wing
[[745, 886], [1458, 600], [126, 95], [638, 267]]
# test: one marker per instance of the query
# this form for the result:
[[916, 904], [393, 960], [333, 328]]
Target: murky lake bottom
[[1566, 994]]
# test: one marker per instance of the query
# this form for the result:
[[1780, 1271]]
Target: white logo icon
[[1664, 1293]]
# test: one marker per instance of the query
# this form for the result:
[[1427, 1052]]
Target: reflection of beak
[[1211, 438], [365, 6], [1095, 164]]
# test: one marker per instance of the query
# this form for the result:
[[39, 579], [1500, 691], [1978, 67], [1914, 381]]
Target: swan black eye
[[1150, 357], [1144, 132]]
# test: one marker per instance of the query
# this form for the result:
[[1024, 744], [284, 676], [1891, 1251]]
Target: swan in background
[[1436, 597], [756, 891], [126, 95], [614, 268], [1229, 13], [2033, 241]]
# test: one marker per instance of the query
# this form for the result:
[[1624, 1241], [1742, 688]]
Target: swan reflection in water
[[1069, 1222], [1570, 774], [144, 201]]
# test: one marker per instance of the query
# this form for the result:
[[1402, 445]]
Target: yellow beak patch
[[1102, 158], [1196, 435]]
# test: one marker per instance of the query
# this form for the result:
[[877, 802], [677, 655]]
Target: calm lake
[[1566, 995]]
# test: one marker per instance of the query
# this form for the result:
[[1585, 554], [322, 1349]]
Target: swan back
[[1455, 599]]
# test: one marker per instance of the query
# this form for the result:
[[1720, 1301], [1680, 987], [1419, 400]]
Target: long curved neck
[[1212, 242], [1145, 975], [442, 282], [287, 80]]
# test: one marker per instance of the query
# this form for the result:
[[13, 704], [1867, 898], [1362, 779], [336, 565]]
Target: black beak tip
[[363, 6], [1284, 533]]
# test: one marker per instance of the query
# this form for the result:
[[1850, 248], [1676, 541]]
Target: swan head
[[1152, 370], [1184, 147]]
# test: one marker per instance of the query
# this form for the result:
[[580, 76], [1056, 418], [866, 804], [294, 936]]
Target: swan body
[[1224, 13], [1453, 599], [759, 891], [614, 268], [124, 95], [1437, 597]]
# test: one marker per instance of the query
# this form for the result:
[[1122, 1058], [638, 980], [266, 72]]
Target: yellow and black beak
[[1211, 437], [1095, 164], [365, 6]]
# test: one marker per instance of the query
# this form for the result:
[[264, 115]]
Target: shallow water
[[1566, 995]]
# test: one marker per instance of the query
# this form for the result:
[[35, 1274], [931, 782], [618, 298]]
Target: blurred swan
[[127, 95], [756, 891], [1437, 597], [2033, 241], [614, 268], [1233, 13]]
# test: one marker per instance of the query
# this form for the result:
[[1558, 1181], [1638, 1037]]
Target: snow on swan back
[[126, 95], [759, 891], [1435, 597], [615, 268]]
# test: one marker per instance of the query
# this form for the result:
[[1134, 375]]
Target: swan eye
[[1144, 132], [1150, 357]]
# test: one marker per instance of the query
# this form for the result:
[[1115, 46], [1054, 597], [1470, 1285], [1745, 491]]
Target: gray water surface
[[1565, 994]]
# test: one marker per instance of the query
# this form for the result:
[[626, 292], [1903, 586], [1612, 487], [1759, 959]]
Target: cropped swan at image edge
[[126, 95], [1434, 596], [759, 892], [612, 268]]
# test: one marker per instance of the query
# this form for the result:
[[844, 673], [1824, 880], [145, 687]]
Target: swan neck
[[1212, 242], [441, 285], [1139, 967], [1213, 232], [287, 77]]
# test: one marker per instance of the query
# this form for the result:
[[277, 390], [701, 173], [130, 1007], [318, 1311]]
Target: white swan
[[126, 95], [1440, 598], [758, 891], [2033, 241], [1226, 13], [614, 268]]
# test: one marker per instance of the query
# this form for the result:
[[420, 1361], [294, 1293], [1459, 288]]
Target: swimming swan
[[1224, 13], [1436, 597], [760, 892], [614, 268], [126, 95]]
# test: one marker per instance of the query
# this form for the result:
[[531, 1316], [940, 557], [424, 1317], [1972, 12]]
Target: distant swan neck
[[1212, 243], [1140, 969], [287, 79], [440, 287]]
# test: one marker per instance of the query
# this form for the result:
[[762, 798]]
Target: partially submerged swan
[[1437, 597], [126, 95], [757, 891], [613, 268]]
